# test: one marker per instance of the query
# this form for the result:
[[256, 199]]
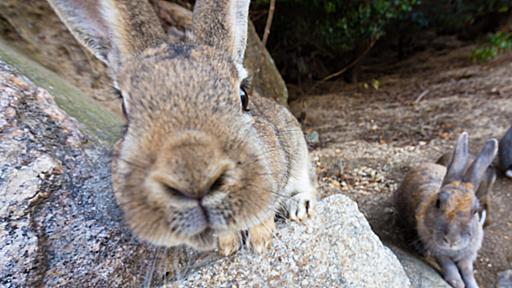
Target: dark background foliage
[[311, 39]]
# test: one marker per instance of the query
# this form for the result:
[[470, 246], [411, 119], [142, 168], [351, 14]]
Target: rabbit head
[[484, 190], [449, 219], [193, 162]]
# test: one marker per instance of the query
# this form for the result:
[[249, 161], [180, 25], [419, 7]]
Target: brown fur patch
[[460, 200]]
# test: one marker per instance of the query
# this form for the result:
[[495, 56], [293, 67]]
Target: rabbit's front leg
[[450, 272], [466, 269], [302, 191]]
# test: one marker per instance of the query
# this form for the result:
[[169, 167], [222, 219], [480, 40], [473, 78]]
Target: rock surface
[[337, 248], [59, 225], [266, 79], [98, 122], [420, 273]]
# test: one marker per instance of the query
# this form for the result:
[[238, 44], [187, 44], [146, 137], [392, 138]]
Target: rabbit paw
[[302, 202], [229, 242], [260, 236], [456, 283], [301, 205]]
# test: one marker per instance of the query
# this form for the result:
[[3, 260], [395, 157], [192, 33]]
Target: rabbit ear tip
[[494, 145], [464, 135], [463, 139]]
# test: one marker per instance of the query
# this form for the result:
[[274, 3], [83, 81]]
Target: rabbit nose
[[451, 241], [197, 194], [448, 241], [181, 193]]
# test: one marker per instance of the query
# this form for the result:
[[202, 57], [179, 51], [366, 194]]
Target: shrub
[[453, 16], [313, 38], [327, 30], [497, 42]]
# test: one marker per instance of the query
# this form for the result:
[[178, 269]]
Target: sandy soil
[[369, 136]]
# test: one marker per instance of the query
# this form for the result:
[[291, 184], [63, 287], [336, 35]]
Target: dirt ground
[[408, 112]]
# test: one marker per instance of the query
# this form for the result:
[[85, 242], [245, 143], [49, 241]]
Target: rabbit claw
[[301, 206]]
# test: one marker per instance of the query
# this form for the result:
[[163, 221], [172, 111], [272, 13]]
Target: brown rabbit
[[441, 206], [198, 163]]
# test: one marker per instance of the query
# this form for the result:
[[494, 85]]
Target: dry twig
[[268, 25], [352, 63], [422, 94]]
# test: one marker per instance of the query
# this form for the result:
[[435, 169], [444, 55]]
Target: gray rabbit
[[440, 204]]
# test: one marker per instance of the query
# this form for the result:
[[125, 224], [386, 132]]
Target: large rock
[[99, 122], [266, 79], [337, 248], [59, 225]]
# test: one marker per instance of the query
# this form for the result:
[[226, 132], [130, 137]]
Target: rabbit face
[[452, 219], [186, 178]]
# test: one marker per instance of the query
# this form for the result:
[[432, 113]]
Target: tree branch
[[268, 25]]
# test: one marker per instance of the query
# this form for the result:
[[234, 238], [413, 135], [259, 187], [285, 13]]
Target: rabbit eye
[[244, 94], [217, 184], [119, 95], [438, 203], [244, 98]]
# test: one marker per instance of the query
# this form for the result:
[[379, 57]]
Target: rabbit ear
[[457, 166], [487, 183], [83, 20], [223, 25], [111, 30], [483, 160], [483, 194]]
